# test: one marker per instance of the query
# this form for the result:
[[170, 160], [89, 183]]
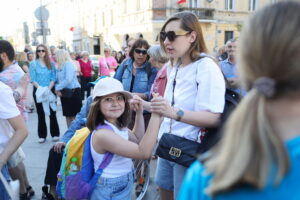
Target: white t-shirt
[[200, 86], [8, 109]]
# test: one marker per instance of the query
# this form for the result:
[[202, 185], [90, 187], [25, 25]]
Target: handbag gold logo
[[175, 152]]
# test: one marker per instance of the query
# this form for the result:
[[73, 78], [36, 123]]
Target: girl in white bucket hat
[[111, 107]]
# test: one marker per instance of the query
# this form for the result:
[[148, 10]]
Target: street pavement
[[37, 156]]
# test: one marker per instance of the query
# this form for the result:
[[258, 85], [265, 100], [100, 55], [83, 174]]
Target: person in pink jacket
[[107, 64]]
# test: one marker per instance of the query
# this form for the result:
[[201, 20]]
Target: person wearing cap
[[56, 152], [111, 107]]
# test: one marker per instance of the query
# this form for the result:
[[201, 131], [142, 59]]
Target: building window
[[194, 3], [228, 36], [229, 4], [252, 5]]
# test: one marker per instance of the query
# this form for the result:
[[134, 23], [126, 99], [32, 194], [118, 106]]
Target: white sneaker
[[42, 140], [55, 138]]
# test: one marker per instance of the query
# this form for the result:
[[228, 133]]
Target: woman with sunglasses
[[136, 73], [194, 94], [43, 74]]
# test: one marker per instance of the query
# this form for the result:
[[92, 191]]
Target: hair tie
[[265, 86]]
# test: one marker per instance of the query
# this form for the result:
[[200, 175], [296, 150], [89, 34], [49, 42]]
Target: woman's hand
[[162, 107]]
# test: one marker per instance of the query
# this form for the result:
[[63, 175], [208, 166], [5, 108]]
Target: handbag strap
[[173, 91]]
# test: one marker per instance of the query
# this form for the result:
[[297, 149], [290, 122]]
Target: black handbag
[[67, 92], [177, 149]]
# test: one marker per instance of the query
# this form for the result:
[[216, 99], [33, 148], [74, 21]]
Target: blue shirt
[[196, 181], [228, 68], [41, 74], [142, 84], [66, 77], [79, 121]]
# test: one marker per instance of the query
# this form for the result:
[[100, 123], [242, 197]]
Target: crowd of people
[[160, 96]]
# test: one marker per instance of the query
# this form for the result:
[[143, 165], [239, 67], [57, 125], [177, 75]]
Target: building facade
[[92, 24]]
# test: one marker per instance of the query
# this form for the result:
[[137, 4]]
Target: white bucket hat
[[108, 85]]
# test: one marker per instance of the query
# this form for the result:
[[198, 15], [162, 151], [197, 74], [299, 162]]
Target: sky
[[14, 12]]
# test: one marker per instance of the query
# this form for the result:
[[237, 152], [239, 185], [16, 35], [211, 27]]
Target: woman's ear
[[193, 36]]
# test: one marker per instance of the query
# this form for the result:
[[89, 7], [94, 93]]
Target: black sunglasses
[[140, 51], [41, 50], [171, 35]]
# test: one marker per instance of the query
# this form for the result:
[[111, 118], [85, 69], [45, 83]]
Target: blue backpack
[[80, 184]]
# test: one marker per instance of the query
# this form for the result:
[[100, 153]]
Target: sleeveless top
[[119, 165]]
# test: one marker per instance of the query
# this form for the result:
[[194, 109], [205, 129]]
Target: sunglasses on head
[[140, 51], [172, 35], [41, 50]]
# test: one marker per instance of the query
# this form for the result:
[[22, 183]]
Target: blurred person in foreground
[[12, 75], [10, 122], [259, 156]]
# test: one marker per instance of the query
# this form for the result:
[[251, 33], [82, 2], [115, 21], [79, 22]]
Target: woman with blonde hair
[[193, 98], [259, 156], [67, 86]]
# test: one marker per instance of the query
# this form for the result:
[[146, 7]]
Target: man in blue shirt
[[228, 66]]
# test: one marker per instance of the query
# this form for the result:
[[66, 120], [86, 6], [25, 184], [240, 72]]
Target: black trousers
[[53, 166], [42, 128], [85, 87]]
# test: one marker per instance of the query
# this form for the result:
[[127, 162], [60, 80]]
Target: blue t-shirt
[[196, 181]]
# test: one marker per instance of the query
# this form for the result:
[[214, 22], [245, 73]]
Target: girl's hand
[[161, 106], [136, 104]]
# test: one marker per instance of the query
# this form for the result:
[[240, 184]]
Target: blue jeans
[[119, 188], [3, 192], [169, 175]]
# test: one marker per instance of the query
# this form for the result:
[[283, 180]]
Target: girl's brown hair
[[96, 117], [46, 58], [189, 22]]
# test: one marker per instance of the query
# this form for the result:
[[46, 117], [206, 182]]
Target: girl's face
[[182, 42], [41, 52], [112, 106], [140, 55]]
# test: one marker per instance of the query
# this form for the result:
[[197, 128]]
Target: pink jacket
[[160, 82], [107, 65]]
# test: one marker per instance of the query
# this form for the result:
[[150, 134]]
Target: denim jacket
[[79, 122], [66, 77], [142, 84]]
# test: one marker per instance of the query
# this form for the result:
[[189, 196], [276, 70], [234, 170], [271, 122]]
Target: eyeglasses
[[41, 50], [171, 35], [140, 51], [120, 98]]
